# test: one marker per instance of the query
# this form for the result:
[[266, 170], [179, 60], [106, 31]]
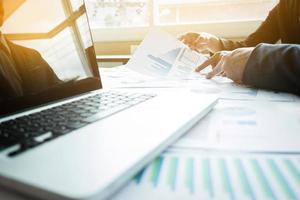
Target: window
[[121, 20], [134, 13], [197, 11], [122, 13]]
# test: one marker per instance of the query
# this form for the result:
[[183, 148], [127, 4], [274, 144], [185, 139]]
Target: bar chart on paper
[[215, 176]]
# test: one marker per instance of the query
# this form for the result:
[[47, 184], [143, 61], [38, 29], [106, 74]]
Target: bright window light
[[204, 11], [139, 13]]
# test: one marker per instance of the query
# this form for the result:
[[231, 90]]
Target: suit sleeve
[[267, 32], [275, 67]]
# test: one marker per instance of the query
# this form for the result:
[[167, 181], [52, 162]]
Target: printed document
[[162, 55]]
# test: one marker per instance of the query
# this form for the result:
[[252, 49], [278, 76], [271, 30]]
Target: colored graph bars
[[241, 176]]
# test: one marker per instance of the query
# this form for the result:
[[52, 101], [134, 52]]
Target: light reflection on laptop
[[70, 143], [50, 52]]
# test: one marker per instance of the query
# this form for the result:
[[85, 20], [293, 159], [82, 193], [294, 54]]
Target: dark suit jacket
[[282, 23], [24, 72], [274, 67]]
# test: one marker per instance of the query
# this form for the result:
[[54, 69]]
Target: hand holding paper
[[202, 41], [162, 55]]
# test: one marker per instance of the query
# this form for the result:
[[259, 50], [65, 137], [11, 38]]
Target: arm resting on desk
[[274, 67]]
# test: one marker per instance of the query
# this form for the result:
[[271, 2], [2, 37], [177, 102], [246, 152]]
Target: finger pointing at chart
[[232, 64], [213, 61]]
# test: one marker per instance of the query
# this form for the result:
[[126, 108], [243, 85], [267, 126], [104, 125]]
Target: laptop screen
[[46, 53]]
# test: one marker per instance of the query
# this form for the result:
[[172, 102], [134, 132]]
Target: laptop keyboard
[[35, 129]]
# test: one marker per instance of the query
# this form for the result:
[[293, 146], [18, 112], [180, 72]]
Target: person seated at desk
[[267, 66], [282, 23]]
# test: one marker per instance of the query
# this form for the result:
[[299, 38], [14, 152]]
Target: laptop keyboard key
[[32, 130], [60, 131], [76, 125]]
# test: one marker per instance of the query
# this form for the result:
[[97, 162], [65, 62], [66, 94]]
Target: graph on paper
[[164, 61], [179, 60], [246, 176], [163, 55]]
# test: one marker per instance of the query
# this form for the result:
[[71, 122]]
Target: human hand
[[201, 41], [228, 63]]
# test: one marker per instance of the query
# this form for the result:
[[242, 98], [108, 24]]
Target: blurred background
[[118, 26]]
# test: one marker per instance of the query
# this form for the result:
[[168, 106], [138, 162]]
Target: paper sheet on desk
[[161, 55], [168, 63], [228, 90], [214, 175], [122, 77], [259, 126]]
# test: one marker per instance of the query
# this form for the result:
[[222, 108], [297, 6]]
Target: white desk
[[177, 173], [245, 120]]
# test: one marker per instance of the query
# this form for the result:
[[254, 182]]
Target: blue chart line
[[250, 92], [225, 178], [156, 169], [206, 174], [262, 179], [165, 60], [247, 122], [211, 172], [293, 171], [173, 173], [281, 180], [190, 174], [139, 176], [160, 61], [244, 179], [239, 111]]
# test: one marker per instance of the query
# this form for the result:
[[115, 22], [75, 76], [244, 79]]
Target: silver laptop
[[61, 135]]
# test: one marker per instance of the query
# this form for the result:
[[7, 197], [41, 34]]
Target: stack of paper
[[204, 175], [247, 123], [260, 126]]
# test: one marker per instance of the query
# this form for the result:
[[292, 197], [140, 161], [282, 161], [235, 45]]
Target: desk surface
[[245, 119], [185, 171]]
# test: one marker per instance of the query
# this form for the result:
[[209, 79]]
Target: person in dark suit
[[282, 23], [274, 67], [267, 66], [23, 71]]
